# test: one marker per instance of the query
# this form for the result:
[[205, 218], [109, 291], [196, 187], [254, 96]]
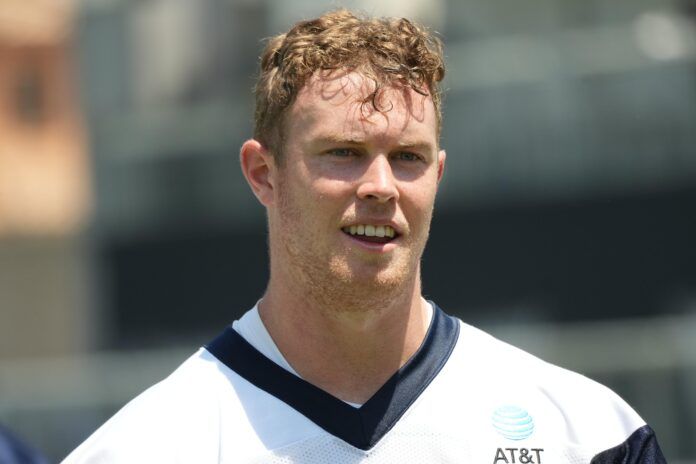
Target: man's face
[[354, 196]]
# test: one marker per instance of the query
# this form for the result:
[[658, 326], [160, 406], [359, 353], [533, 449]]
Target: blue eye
[[342, 152], [407, 156]]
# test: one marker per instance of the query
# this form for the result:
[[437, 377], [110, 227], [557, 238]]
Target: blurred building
[[44, 181]]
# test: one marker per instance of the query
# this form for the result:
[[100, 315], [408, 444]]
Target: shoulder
[[566, 407], [164, 423], [204, 412]]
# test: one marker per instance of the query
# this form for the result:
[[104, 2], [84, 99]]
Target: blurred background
[[566, 222]]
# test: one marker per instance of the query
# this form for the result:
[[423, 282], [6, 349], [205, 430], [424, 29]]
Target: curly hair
[[389, 51]]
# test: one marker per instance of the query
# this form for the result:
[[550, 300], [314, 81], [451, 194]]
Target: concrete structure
[[44, 182]]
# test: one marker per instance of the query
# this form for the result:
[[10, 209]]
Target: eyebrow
[[335, 139]]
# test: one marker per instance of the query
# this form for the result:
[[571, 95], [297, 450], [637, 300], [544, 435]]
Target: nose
[[378, 182]]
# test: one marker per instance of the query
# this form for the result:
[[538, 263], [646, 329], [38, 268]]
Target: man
[[342, 360]]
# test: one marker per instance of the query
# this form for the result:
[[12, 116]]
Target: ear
[[441, 156], [258, 168]]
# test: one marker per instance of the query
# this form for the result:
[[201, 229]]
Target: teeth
[[371, 230]]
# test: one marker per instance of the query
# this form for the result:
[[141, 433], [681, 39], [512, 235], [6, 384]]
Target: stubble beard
[[327, 279]]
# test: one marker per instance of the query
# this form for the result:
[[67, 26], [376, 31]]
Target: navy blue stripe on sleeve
[[640, 448]]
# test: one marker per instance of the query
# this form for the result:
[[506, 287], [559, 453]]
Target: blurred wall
[[44, 183]]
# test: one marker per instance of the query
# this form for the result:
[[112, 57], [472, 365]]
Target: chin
[[375, 276]]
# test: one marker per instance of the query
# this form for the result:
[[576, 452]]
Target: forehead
[[343, 103]]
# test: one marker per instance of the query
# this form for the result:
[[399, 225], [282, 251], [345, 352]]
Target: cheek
[[332, 185], [289, 204], [304, 207], [421, 201]]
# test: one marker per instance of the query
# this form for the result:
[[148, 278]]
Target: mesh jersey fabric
[[467, 397]]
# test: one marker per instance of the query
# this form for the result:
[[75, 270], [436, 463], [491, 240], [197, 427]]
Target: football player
[[342, 360]]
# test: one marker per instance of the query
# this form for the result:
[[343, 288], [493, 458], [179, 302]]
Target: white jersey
[[464, 397]]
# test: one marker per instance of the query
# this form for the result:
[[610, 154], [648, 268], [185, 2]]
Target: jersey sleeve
[[608, 427], [174, 421], [640, 448], [135, 434]]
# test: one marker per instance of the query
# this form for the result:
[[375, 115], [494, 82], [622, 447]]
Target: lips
[[374, 233]]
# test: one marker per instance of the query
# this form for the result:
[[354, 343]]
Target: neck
[[349, 350]]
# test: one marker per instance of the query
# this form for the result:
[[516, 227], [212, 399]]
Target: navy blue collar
[[361, 427]]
